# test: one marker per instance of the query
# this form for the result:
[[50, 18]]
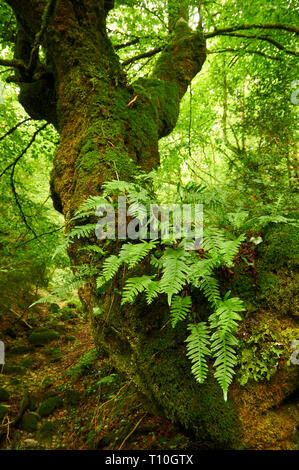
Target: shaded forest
[[149, 218]]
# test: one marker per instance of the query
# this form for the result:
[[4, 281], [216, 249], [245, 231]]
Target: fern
[[133, 287], [133, 254], [224, 319], [175, 271], [110, 268], [198, 348], [82, 231], [179, 309]]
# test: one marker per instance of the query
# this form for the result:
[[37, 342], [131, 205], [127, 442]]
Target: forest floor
[[55, 393]]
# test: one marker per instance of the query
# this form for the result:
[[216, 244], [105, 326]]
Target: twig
[[14, 128], [143, 55], [130, 434], [13, 164]]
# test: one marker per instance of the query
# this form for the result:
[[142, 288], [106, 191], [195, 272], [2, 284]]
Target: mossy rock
[[48, 406], [30, 421], [42, 336], [54, 354], [11, 332], [67, 314], [3, 412], [4, 395], [48, 382], [12, 368], [54, 308], [27, 362], [46, 431], [21, 348], [73, 397]]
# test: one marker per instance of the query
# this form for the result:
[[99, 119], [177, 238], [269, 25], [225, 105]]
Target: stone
[[48, 406], [4, 395], [42, 336]]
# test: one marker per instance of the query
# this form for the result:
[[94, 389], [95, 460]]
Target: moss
[[46, 431], [12, 368], [30, 422], [3, 412], [48, 406], [4, 395], [42, 336]]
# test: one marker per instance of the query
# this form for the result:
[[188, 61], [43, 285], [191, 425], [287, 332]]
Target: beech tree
[[67, 65]]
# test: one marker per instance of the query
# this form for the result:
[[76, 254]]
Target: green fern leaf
[[198, 342], [179, 309]]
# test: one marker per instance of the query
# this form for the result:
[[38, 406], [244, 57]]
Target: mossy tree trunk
[[108, 128]]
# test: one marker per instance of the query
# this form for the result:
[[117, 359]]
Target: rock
[[48, 382], [21, 348], [31, 444], [48, 406], [27, 362], [54, 355], [3, 412], [46, 430], [4, 395], [54, 308], [30, 421], [73, 397], [11, 332], [42, 336], [13, 368]]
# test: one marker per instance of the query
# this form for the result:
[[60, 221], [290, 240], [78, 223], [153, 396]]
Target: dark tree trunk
[[83, 91]]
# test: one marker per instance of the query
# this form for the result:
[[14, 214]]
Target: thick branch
[[18, 64], [142, 55], [263, 38], [220, 32]]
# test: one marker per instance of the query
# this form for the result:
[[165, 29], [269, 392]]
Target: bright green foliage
[[179, 309], [178, 269], [198, 348]]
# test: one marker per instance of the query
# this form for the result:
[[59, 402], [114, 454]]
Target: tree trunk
[[108, 128]]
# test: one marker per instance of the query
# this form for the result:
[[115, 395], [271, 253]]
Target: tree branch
[[13, 164], [220, 32], [18, 64], [143, 55], [14, 128], [263, 38], [245, 51]]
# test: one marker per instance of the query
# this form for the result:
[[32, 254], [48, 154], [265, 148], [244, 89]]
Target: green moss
[[42, 336], [12, 368], [46, 431], [3, 412], [48, 406], [4, 395], [30, 422]]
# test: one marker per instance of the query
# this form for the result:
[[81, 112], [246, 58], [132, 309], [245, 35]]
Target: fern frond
[[133, 287], [198, 349], [175, 271], [110, 267], [179, 309], [94, 248], [82, 231], [210, 288], [153, 289], [224, 319], [132, 254], [91, 204]]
